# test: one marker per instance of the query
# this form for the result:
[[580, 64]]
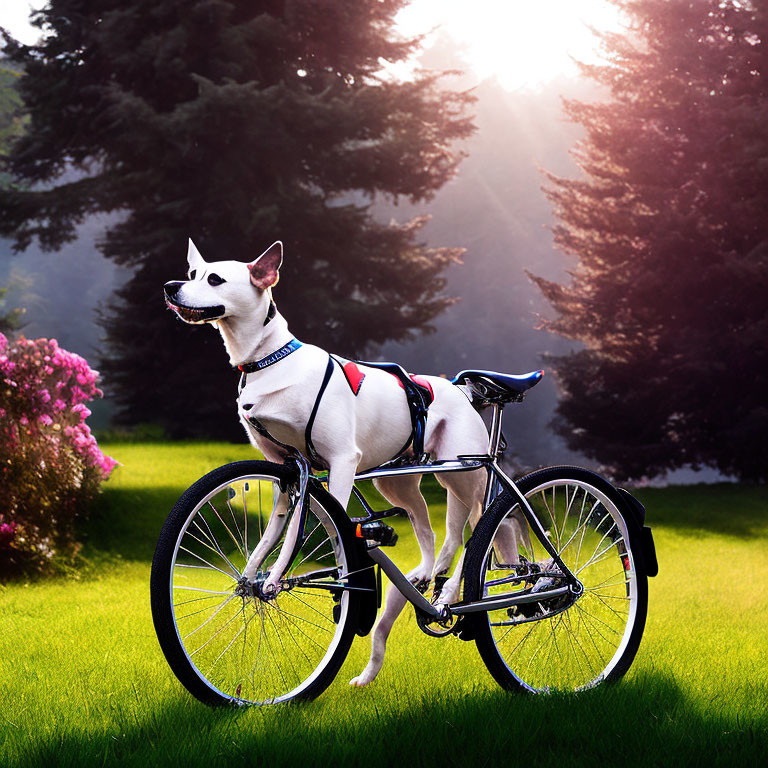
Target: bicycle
[[568, 614]]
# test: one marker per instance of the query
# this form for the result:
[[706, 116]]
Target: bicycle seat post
[[494, 439]]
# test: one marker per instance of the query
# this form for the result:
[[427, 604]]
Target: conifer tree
[[235, 122], [669, 296]]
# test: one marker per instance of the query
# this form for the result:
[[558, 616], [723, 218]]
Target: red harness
[[355, 378]]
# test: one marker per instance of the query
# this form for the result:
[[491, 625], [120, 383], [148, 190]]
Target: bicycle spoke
[[231, 643], [567, 513], [578, 646], [226, 527], [621, 614], [244, 549], [201, 610], [551, 516], [592, 560], [319, 613], [207, 546], [196, 599], [602, 539], [214, 635], [245, 648], [203, 560], [299, 629], [578, 526], [223, 605], [283, 655], [199, 589], [215, 542]]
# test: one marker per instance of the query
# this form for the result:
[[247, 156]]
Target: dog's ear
[[265, 270], [194, 258]]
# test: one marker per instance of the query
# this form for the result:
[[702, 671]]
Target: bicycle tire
[[164, 580], [488, 627]]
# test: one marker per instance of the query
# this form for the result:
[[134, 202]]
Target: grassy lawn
[[83, 682]]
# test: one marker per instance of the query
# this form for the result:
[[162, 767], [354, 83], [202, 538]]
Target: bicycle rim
[[577, 644], [248, 650]]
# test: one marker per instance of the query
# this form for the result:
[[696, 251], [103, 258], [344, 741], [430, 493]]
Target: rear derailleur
[[540, 578]]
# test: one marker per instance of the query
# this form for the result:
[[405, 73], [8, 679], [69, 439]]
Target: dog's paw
[[421, 578], [448, 594], [421, 584], [360, 680]]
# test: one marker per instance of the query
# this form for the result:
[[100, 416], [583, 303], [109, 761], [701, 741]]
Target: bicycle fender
[[365, 578], [643, 534], [362, 569]]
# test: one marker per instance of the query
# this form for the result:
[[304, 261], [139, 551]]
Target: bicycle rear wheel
[[562, 644], [228, 646]]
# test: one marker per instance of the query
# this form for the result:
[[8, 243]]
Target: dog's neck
[[247, 338]]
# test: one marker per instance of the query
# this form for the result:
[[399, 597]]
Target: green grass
[[83, 682]]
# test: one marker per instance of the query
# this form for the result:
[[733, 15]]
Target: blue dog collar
[[275, 357]]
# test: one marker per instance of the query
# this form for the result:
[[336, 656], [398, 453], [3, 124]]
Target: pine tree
[[669, 296], [235, 122]]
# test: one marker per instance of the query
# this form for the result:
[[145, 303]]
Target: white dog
[[352, 431]]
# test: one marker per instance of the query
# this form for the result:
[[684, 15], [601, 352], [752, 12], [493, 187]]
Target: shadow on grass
[[647, 721], [723, 508], [127, 522]]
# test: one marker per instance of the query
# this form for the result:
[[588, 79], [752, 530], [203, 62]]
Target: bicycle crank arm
[[402, 585], [507, 601]]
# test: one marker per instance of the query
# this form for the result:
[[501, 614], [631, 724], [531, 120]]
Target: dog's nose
[[172, 288]]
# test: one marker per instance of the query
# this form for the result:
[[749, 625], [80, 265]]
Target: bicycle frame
[[468, 463]]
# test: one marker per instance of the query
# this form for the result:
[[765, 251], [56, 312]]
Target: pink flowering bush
[[50, 464]]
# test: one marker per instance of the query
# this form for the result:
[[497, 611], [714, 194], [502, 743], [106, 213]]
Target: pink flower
[[81, 410], [46, 420], [7, 533]]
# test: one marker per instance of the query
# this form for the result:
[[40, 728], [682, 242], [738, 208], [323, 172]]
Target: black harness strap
[[418, 398], [262, 430], [271, 311], [314, 457]]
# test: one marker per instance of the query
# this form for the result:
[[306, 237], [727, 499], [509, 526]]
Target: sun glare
[[524, 43]]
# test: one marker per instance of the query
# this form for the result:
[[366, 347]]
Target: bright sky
[[14, 16], [524, 43]]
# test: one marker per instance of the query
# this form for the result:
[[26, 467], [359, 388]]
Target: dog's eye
[[192, 274], [214, 279]]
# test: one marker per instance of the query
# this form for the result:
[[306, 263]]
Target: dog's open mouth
[[196, 314]]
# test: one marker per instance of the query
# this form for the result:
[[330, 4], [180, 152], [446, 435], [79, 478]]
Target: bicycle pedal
[[379, 533]]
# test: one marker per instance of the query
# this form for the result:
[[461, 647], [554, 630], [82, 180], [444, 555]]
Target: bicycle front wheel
[[229, 646], [561, 644]]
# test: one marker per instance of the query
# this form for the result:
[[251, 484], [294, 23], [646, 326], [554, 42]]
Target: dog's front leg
[[340, 481], [341, 477], [270, 537]]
